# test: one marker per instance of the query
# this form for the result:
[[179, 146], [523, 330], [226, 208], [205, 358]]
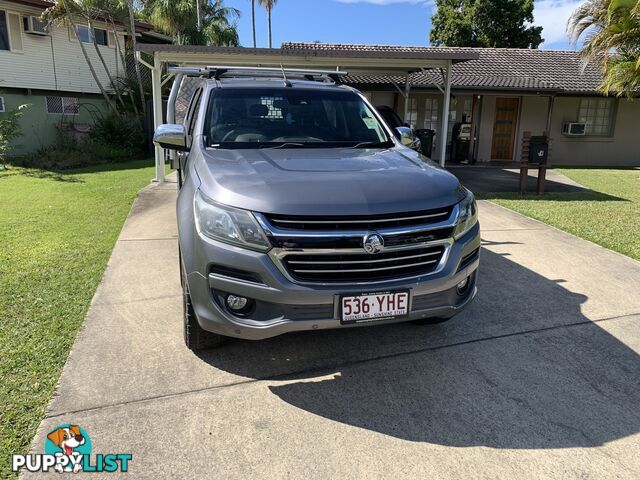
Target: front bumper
[[284, 306]]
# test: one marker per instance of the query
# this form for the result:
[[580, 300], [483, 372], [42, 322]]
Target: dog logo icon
[[70, 441]]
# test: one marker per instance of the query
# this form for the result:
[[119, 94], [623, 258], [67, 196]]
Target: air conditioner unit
[[35, 26], [574, 128]]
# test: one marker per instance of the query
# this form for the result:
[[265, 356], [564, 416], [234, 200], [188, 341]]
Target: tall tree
[[179, 19], [610, 30], [66, 12], [485, 23], [253, 22], [134, 41], [268, 5]]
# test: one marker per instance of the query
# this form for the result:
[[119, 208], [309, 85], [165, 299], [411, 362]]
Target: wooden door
[[504, 128]]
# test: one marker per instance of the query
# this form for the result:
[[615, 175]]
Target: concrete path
[[538, 379]]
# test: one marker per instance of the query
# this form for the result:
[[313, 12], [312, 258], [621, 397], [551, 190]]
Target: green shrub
[[113, 138], [123, 131], [9, 130], [77, 155]]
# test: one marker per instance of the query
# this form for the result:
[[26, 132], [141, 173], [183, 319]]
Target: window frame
[[76, 29], [75, 102], [613, 108], [10, 31]]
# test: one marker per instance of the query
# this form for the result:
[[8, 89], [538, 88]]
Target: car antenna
[[287, 83]]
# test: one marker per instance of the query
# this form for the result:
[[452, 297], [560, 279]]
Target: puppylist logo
[[68, 449]]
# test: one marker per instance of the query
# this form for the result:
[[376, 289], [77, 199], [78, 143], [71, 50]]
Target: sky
[[389, 22]]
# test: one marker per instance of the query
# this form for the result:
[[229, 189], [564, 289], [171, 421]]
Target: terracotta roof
[[494, 69]]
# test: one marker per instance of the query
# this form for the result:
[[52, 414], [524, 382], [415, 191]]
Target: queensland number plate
[[373, 306]]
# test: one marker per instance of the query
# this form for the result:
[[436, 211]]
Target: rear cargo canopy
[[369, 60]]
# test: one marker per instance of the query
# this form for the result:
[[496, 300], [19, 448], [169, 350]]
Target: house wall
[[533, 118], [485, 129], [41, 129], [621, 149], [383, 98], [54, 61]]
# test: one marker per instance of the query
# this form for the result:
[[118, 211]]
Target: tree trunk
[[104, 64], [132, 23], [123, 61], [92, 70], [269, 12], [253, 21]]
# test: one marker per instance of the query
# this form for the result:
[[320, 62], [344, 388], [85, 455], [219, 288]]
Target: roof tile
[[497, 68]]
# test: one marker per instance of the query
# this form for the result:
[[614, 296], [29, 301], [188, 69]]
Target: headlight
[[228, 224], [467, 215]]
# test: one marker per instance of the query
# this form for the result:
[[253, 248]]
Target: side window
[[192, 114]]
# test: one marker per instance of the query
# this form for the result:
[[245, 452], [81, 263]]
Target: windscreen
[[291, 118]]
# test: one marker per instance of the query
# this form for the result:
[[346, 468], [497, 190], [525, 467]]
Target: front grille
[[362, 267], [350, 222]]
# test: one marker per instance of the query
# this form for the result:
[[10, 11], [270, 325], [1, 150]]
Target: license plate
[[370, 307]]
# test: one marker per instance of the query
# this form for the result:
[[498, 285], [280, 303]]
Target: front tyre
[[195, 337]]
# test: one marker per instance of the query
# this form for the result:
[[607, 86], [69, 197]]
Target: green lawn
[[609, 215], [57, 231]]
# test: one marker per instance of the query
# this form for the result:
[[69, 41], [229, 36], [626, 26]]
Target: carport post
[[156, 80], [445, 114], [407, 89]]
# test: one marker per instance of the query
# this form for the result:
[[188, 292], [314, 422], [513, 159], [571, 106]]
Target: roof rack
[[218, 72]]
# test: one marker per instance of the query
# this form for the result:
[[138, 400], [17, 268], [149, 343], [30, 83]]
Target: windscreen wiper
[[372, 145], [283, 145]]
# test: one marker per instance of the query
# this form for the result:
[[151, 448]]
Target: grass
[[608, 215], [56, 236]]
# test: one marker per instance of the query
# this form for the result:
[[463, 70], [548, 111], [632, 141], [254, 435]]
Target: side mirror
[[404, 134], [407, 137], [171, 136]]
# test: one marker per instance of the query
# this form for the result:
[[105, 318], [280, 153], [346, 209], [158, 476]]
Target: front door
[[504, 128]]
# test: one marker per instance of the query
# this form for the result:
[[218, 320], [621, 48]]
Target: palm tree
[[132, 33], [611, 36], [178, 18], [253, 21], [65, 12], [268, 5]]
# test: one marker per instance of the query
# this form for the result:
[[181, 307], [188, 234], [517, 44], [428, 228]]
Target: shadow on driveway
[[505, 183], [522, 368]]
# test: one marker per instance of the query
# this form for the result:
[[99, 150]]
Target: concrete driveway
[[538, 379]]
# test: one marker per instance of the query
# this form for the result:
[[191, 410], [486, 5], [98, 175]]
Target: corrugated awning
[[357, 63]]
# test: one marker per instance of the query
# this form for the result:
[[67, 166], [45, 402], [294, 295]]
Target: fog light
[[461, 288], [235, 303]]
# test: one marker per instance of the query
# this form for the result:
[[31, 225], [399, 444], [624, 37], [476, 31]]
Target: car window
[[391, 117], [256, 118], [192, 114]]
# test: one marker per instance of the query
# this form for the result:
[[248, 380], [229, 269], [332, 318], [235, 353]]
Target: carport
[[379, 63]]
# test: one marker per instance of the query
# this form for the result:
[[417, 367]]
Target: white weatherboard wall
[[55, 61]]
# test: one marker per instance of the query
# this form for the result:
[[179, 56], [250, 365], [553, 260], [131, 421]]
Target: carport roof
[[491, 69], [378, 63]]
